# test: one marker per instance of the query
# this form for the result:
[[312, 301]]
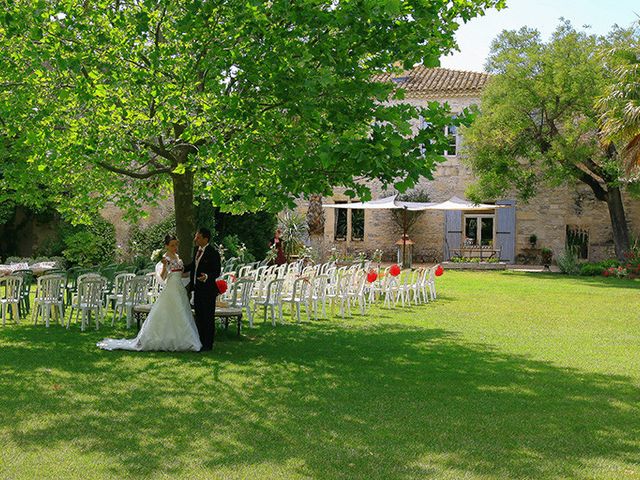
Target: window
[[451, 132], [478, 230], [340, 230], [578, 241], [349, 224], [357, 224]]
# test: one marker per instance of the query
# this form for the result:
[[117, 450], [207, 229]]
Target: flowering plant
[[271, 255], [619, 272], [377, 256]]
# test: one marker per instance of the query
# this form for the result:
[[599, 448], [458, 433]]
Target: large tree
[[248, 103], [539, 124]]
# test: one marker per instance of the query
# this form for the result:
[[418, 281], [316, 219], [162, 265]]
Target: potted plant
[[533, 239], [547, 255]]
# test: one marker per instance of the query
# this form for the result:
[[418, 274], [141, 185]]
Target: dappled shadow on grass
[[350, 399]]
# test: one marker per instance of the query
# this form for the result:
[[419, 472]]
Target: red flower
[[232, 278], [222, 286], [394, 270], [439, 271], [372, 276]]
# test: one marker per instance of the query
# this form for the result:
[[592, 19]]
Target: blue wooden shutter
[[452, 232], [506, 230]]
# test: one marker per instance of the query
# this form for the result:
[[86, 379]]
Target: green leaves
[[259, 101]]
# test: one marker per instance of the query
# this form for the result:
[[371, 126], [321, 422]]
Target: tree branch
[[598, 190], [132, 174]]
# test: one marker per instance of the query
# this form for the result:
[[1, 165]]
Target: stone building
[[555, 216]]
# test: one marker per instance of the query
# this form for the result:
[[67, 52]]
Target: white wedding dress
[[169, 325]]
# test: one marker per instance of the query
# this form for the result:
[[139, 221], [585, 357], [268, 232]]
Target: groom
[[204, 269]]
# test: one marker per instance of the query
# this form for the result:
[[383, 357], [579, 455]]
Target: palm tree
[[315, 224], [315, 215], [620, 106]]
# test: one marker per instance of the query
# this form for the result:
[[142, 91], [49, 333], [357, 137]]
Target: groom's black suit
[[205, 293]]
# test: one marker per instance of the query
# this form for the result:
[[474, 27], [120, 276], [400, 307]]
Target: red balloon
[[372, 276], [394, 270], [439, 271], [222, 286]]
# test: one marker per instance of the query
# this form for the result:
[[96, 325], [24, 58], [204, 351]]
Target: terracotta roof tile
[[433, 82]]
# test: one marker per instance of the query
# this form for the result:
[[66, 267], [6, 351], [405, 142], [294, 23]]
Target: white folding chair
[[135, 293], [431, 281], [319, 285], [115, 297], [300, 294], [88, 300], [11, 297], [272, 300], [241, 296], [49, 295]]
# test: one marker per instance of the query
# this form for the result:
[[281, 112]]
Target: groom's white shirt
[[200, 249]]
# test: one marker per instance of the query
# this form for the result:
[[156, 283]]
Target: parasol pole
[[404, 236]]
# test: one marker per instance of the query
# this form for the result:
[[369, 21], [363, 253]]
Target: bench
[[475, 251], [224, 314]]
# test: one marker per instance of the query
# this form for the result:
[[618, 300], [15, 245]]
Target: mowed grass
[[507, 375]]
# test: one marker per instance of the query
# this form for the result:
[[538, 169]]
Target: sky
[[474, 38]]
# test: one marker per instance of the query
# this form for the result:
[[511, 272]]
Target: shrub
[[591, 269], [568, 262], [87, 245], [80, 249], [294, 230], [232, 247], [143, 241], [255, 230]]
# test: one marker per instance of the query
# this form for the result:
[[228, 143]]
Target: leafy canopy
[[257, 102], [539, 123]]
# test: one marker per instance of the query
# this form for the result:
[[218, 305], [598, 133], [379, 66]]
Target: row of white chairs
[[92, 298], [313, 287], [263, 287]]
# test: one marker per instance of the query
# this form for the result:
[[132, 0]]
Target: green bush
[[233, 247], [255, 230], [568, 262], [143, 241], [87, 245], [591, 269], [612, 262], [597, 268]]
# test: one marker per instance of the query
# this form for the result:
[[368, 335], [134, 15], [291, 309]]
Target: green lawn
[[507, 375]]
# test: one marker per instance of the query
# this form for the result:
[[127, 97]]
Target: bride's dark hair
[[168, 238]]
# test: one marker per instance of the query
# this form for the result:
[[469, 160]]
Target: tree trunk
[[185, 213], [618, 222]]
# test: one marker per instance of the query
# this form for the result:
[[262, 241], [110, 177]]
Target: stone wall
[[155, 214], [546, 215]]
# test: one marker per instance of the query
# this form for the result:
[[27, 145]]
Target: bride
[[170, 324]]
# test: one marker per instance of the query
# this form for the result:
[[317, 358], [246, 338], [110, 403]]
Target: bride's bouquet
[[156, 255]]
